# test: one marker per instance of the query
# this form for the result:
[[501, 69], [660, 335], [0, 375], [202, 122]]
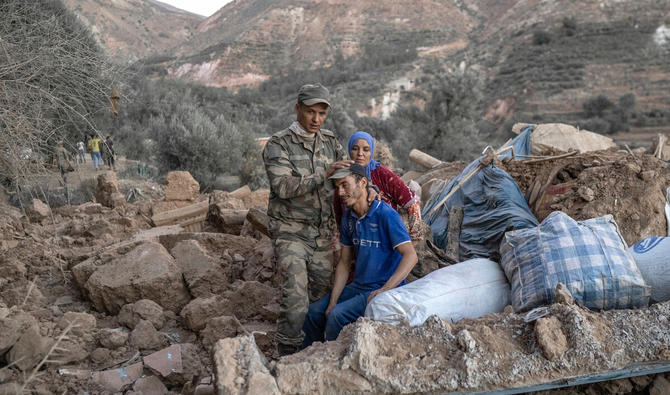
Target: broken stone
[[199, 311], [145, 336], [143, 309], [101, 355], [9, 334], [10, 389], [37, 210], [29, 349], [113, 338], [74, 352], [201, 272], [586, 193], [204, 389], [107, 190], [117, 379], [99, 229], [220, 328], [84, 322], [660, 386], [146, 272], [647, 175], [150, 385], [550, 337], [177, 364], [90, 208], [240, 368], [79, 374], [563, 295], [465, 341], [181, 186]]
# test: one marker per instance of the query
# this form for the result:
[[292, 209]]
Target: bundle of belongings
[[507, 257]]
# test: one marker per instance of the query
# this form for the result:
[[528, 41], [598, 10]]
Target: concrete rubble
[[170, 310]]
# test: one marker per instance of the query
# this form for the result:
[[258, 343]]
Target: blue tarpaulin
[[492, 204]]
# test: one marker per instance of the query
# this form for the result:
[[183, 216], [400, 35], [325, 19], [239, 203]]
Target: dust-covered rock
[[181, 186], [204, 275], [112, 338], [143, 309], [550, 337], [146, 272], [240, 368], [83, 323], [107, 190], [199, 311], [29, 350], [146, 337], [37, 210], [220, 328]]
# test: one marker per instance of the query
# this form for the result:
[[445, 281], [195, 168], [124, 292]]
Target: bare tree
[[53, 80]]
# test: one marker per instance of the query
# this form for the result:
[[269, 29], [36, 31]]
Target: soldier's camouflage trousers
[[306, 270]]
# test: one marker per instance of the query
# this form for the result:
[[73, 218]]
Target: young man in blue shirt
[[378, 239]]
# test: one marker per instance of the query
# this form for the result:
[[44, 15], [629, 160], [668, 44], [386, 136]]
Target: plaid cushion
[[590, 257]]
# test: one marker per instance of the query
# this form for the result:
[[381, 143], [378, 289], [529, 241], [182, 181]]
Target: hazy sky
[[201, 7]]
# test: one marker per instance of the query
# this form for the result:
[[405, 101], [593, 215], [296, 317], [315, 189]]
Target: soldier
[[298, 161]]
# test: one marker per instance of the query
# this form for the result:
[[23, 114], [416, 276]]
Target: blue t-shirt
[[374, 238]]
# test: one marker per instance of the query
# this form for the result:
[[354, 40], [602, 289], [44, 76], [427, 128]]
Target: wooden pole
[[423, 159]]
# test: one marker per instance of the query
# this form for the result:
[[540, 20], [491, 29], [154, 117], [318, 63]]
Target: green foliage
[[447, 126], [597, 125], [569, 26], [596, 106], [541, 37]]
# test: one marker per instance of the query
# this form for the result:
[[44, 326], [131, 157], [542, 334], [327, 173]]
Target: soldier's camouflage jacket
[[300, 199]]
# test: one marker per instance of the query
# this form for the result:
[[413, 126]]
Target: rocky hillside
[[133, 29], [540, 60]]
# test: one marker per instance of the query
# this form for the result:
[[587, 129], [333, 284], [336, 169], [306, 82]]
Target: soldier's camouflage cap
[[311, 94]]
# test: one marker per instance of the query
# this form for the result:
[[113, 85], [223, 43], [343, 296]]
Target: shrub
[[596, 106], [541, 37], [597, 125], [569, 26]]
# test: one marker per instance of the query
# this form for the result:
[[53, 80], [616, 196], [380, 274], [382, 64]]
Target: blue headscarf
[[371, 142]]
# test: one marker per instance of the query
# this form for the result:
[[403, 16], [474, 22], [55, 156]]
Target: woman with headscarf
[[392, 189]]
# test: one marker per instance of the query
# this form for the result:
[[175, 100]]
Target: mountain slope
[[247, 41], [133, 29]]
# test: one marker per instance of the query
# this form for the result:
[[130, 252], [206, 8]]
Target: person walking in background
[[94, 148], [107, 150], [81, 153]]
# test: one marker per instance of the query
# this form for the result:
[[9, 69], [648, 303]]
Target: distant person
[[392, 188], [81, 153], [62, 159], [107, 150], [376, 236], [94, 148]]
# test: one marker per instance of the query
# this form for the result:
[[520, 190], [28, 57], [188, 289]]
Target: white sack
[[469, 289], [652, 256]]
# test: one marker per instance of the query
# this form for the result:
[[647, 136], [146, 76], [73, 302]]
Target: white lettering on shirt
[[366, 243]]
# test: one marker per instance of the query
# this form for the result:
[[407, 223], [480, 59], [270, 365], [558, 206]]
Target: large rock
[[37, 210], [550, 337], [220, 328], [240, 368], [29, 349], [107, 191], [200, 310], [146, 272], [204, 276], [9, 333], [181, 186], [146, 337]]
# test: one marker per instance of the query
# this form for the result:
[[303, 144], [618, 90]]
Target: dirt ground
[[140, 295]]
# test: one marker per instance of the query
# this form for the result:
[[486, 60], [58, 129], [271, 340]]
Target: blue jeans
[[97, 159], [319, 327]]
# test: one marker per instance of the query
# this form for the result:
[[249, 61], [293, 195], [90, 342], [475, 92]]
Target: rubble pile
[[156, 309]]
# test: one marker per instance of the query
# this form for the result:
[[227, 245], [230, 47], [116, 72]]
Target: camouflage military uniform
[[301, 220]]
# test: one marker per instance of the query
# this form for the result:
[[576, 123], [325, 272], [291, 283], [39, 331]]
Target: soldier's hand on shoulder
[[338, 165]]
